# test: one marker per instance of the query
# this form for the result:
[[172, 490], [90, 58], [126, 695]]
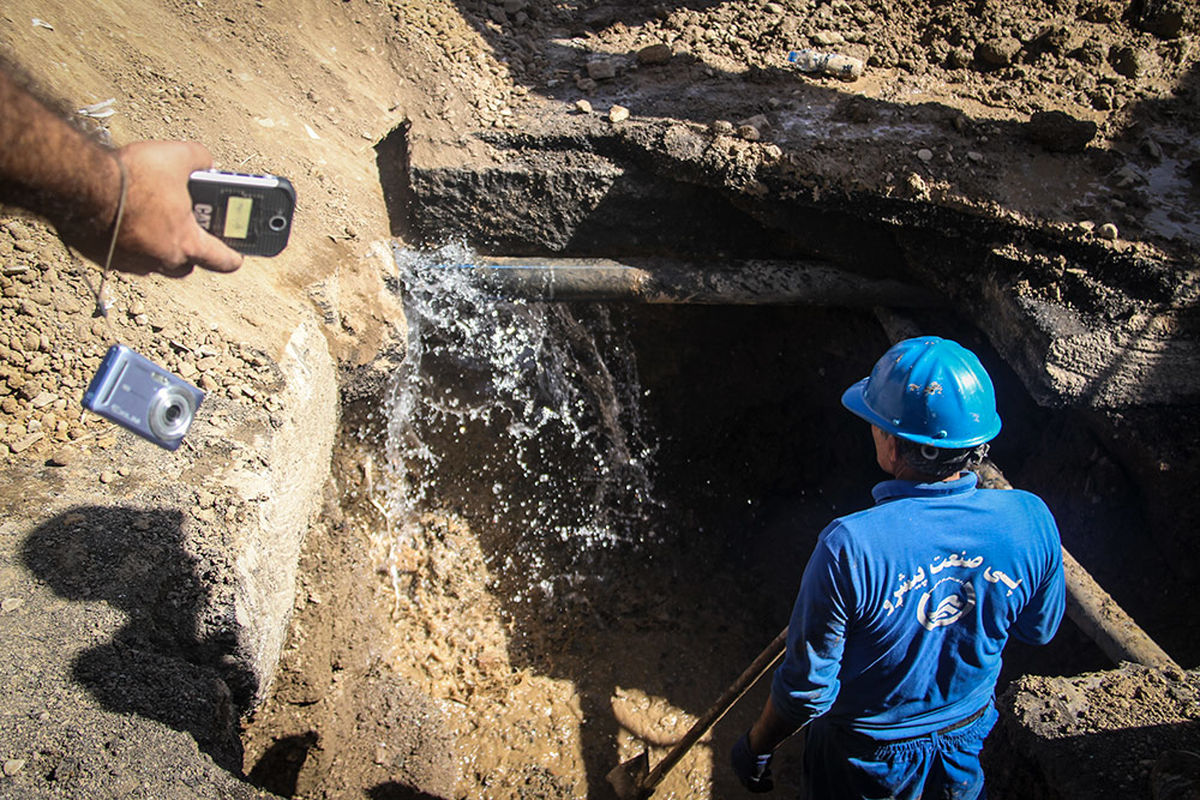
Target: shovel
[[634, 780]]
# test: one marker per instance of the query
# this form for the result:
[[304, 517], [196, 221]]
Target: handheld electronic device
[[136, 393], [250, 213]]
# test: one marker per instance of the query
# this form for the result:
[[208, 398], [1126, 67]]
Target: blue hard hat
[[928, 390]]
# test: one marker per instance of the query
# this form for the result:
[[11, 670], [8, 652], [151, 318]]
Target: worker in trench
[[895, 640]]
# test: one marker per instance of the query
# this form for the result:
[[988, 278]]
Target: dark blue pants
[[844, 765]]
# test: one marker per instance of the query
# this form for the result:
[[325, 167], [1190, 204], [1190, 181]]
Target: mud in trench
[[584, 579], [587, 519]]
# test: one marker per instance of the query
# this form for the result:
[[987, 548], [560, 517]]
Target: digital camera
[[137, 394], [250, 213]]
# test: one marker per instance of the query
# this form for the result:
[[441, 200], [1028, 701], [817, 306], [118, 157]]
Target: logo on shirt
[[946, 603], [950, 597]]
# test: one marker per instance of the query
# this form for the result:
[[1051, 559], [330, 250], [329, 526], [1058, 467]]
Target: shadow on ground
[[159, 665]]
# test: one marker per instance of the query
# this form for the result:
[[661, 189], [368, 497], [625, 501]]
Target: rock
[[1166, 21], [958, 58], [65, 769], [1102, 98], [654, 55], [925, 154], [1059, 132], [12, 766], [758, 121], [997, 52], [27, 442], [581, 105], [107, 476], [61, 457], [917, 188], [1127, 176], [66, 303], [600, 17], [1090, 53], [11, 604], [828, 38], [1108, 231], [1054, 39], [749, 133], [721, 127], [1129, 61], [618, 114], [601, 69]]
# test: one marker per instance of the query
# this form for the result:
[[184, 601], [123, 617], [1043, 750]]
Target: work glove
[[753, 770]]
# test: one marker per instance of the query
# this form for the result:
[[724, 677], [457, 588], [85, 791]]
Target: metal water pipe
[[743, 282]]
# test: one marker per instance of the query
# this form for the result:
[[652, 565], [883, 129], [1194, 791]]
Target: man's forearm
[[770, 729], [50, 167]]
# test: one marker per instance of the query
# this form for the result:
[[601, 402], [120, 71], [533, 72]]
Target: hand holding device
[[250, 213]]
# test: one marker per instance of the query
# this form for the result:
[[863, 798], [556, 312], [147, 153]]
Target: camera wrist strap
[[101, 302]]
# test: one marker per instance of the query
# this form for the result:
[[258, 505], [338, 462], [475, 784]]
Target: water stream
[[521, 417]]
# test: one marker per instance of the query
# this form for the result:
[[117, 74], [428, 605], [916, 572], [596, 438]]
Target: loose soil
[[409, 672]]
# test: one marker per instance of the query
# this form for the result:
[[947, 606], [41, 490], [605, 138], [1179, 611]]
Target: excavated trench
[[597, 512]]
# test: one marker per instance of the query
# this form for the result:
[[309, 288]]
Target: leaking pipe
[[753, 282], [1091, 608]]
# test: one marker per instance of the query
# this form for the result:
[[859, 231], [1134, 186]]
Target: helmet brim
[[855, 401]]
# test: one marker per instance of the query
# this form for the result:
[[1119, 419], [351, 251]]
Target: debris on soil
[[1100, 734]]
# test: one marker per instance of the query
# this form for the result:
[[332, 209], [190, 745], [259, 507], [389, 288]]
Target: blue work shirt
[[905, 607]]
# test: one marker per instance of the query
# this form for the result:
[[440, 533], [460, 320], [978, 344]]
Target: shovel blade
[[628, 779]]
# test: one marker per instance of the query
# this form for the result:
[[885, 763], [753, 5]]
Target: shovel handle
[[717, 710]]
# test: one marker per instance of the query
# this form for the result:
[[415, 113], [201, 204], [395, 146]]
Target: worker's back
[[926, 587]]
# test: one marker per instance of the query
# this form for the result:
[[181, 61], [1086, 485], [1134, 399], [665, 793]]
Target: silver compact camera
[[136, 393]]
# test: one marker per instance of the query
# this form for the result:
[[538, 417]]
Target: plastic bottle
[[845, 67]]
